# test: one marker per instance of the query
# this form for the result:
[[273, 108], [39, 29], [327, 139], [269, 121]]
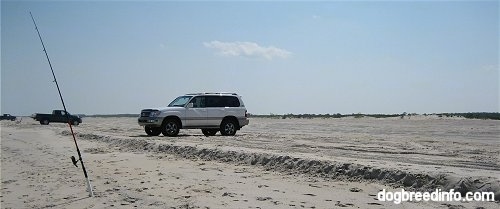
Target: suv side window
[[198, 102], [214, 101], [231, 101], [222, 101]]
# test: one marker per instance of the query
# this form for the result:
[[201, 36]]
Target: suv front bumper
[[149, 121]]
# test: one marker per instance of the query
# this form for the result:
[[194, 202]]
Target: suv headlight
[[154, 114]]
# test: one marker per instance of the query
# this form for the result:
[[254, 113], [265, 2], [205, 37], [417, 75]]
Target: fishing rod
[[73, 159]]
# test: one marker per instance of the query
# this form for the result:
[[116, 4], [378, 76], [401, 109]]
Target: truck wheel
[[44, 122], [75, 123], [170, 128], [228, 127], [152, 131], [209, 132]]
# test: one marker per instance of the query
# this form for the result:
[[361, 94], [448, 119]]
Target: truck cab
[[8, 117], [57, 116]]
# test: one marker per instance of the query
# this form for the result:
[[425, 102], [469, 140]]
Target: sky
[[386, 57]]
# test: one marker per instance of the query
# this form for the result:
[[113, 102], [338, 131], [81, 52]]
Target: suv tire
[[209, 132], [75, 123], [152, 131], [228, 127], [170, 128]]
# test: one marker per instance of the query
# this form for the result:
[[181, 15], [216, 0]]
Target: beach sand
[[272, 163]]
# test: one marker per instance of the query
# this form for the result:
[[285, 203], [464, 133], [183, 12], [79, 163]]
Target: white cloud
[[248, 49], [490, 68]]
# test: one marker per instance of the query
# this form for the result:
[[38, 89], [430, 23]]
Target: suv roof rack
[[213, 93]]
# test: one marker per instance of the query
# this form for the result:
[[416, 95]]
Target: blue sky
[[283, 57]]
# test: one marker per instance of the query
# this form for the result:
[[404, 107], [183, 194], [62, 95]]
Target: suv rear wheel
[[209, 132], [152, 131], [170, 128], [228, 127]]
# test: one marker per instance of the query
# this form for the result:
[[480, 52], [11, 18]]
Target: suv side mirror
[[190, 105]]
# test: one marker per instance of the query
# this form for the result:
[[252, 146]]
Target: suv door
[[215, 110], [196, 115]]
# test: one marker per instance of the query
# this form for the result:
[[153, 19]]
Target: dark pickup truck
[[57, 116], [7, 117]]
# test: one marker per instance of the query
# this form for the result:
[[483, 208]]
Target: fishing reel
[[73, 159]]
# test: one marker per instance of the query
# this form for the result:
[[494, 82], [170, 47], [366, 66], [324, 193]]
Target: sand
[[272, 163]]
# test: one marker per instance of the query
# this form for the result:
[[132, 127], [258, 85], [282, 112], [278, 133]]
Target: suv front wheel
[[228, 127], [170, 128]]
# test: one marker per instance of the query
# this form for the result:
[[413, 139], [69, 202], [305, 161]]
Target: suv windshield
[[180, 101]]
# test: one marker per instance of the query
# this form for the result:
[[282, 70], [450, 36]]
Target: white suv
[[210, 112]]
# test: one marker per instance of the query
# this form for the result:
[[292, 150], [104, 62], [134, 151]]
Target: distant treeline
[[111, 115], [475, 115]]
